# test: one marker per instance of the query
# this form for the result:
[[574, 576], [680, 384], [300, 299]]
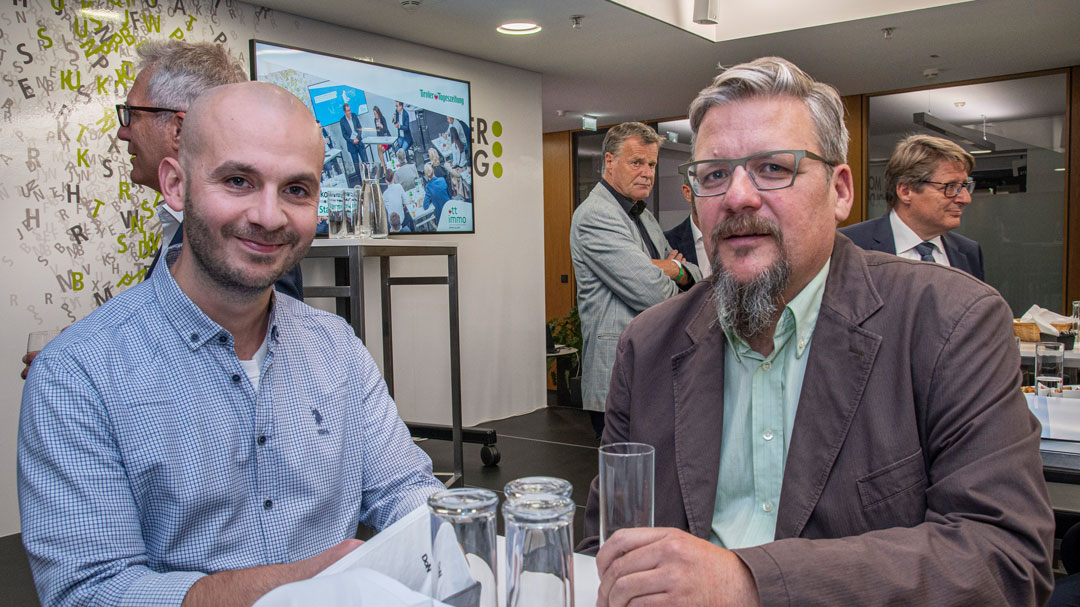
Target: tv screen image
[[408, 129]]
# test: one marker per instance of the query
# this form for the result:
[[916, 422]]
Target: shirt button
[[767, 435], [222, 339], [802, 343], [767, 506], [268, 504], [194, 337], [236, 378], [766, 365], [262, 439]]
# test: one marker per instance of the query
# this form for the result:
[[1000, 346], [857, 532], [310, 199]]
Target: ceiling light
[[520, 28], [575, 21], [980, 151], [1060, 170]]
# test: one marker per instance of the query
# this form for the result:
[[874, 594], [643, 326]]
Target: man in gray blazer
[[927, 186], [832, 426], [622, 262]]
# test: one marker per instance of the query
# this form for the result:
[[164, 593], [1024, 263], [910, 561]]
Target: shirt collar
[[632, 209], [906, 238], [194, 327], [798, 318], [694, 231]]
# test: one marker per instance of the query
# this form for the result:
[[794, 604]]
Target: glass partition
[[1017, 133]]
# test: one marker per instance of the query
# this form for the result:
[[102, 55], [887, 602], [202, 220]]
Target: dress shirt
[[170, 223], [394, 199], [761, 395], [146, 459], [703, 262], [906, 239], [634, 209]]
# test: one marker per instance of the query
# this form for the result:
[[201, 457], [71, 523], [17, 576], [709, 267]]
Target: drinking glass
[[539, 549], [37, 339], [1049, 362], [537, 484], [471, 513], [626, 487]]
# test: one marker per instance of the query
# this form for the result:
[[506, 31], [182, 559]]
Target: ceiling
[[622, 65]]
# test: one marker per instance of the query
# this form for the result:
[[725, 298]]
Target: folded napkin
[[1043, 317]]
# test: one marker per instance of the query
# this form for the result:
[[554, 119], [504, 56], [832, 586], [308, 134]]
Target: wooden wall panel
[[855, 118], [558, 209]]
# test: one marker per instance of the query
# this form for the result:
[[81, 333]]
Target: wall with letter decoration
[[74, 232]]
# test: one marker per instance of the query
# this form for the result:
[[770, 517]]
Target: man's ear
[[844, 189], [171, 178], [176, 123], [904, 192]]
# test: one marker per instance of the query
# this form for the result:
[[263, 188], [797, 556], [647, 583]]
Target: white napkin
[[1043, 317], [425, 564]]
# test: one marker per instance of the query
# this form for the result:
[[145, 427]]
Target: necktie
[[926, 251]]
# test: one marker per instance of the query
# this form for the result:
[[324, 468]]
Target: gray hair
[[181, 71], [619, 133], [915, 160], [400, 155], [776, 77]]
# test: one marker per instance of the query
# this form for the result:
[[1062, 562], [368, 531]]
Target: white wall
[[501, 265]]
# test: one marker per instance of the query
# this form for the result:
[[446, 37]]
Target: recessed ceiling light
[[1060, 170], [520, 28], [981, 151]]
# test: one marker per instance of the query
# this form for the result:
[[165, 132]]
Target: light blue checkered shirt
[[147, 460]]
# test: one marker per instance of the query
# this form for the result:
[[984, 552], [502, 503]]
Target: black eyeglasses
[[952, 190], [123, 111], [774, 170]]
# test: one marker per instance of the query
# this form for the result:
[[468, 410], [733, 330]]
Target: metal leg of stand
[[455, 366]]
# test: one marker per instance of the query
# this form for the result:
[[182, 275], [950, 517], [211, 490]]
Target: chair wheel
[[489, 454]]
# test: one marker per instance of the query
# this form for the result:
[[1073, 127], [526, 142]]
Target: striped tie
[[926, 251]]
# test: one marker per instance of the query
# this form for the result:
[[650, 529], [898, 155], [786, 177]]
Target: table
[[348, 254], [374, 140], [1027, 355]]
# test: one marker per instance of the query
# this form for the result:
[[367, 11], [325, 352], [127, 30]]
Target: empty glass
[[626, 487], [539, 549], [471, 512], [37, 339], [373, 223], [537, 484], [1049, 363]]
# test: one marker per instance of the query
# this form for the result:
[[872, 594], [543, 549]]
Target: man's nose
[[268, 211], [742, 194], [124, 133]]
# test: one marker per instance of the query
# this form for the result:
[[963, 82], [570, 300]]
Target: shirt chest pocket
[[898, 489]]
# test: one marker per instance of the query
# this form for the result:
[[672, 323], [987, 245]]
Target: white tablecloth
[[1060, 417]]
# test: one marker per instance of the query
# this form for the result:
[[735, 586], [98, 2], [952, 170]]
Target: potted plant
[[566, 369]]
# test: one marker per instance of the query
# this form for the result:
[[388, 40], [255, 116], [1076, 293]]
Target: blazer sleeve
[[608, 246], [988, 524]]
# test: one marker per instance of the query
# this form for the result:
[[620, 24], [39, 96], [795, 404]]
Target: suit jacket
[[877, 235], [349, 130], [681, 238], [291, 284], [616, 280], [913, 474]]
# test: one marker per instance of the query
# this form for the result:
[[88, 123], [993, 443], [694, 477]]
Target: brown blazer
[[913, 475]]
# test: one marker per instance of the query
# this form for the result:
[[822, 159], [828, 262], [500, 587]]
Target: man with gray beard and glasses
[[832, 426]]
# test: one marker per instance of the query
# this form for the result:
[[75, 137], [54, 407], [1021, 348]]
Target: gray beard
[[747, 309]]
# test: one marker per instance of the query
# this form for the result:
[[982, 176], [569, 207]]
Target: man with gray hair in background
[[832, 426], [622, 262], [927, 185]]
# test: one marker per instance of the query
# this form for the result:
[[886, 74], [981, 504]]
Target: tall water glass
[[36, 341], [626, 487], [537, 484], [374, 223], [471, 512], [1049, 364], [539, 551]]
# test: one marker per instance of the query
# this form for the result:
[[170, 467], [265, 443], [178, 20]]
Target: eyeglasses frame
[[968, 185], [122, 108], [684, 169]]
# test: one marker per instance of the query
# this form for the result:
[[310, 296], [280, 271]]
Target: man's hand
[[245, 586], [27, 359], [670, 567], [356, 140], [670, 268]]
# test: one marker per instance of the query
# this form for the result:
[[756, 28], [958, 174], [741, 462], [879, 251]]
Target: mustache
[[740, 225], [280, 236]]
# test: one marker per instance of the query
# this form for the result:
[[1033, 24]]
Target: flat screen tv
[[407, 129]]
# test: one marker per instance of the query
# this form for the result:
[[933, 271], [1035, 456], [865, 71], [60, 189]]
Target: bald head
[[261, 110]]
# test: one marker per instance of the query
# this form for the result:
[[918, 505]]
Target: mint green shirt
[[761, 395]]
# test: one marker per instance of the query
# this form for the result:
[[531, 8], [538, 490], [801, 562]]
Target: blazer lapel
[[698, 382], [883, 235], [957, 258], [841, 357]]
